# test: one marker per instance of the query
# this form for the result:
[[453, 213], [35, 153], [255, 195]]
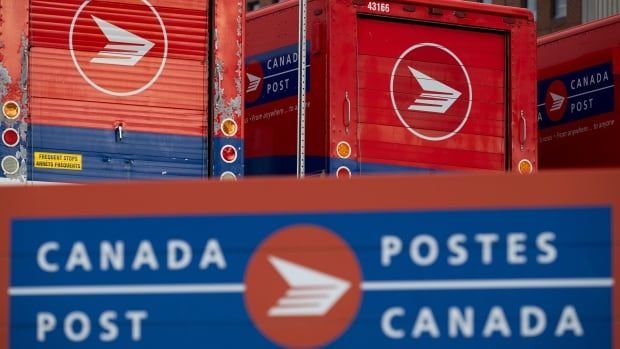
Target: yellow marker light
[[228, 176], [229, 127], [11, 110], [343, 149], [10, 165], [525, 167]]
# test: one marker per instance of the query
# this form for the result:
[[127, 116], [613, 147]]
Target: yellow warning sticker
[[58, 161]]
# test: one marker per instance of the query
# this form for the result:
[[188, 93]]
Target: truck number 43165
[[379, 6]]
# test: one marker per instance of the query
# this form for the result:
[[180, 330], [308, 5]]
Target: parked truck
[[578, 96], [409, 85], [120, 89]]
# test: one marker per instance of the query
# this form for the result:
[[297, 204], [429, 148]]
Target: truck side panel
[[271, 90], [578, 96]]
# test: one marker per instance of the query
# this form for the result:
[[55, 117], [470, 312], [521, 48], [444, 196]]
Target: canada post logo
[[118, 49], [577, 95], [556, 100], [272, 75], [303, 287], [431, 103]]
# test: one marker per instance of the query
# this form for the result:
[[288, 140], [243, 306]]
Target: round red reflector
[[343, 172], [10, 137], [228, 154]]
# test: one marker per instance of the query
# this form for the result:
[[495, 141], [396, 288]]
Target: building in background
[[551, 15], [256, 4], [554, 15]]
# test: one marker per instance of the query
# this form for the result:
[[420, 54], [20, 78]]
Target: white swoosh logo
[[437, 96], [557, 101], [124, 48], [254, 81], [312, 293]]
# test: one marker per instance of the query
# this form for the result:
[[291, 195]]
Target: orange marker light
[[11, 110], [229, 127], [343, 149], [525, 167]]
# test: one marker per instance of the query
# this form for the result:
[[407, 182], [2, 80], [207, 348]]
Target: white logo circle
[[402, 120], [107, 91]]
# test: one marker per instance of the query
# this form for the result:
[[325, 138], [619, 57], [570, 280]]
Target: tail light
[[343, 172], [228, 154], [10, 165], [10, 137]]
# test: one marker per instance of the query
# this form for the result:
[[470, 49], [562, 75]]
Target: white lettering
[[550, 253], [145, 256], [431, 254], [79, 257], [516, 248], [425, 323], [46, 322], [455, 245], [529, 330], [281, 61], [136, 317], [179, 246], [487, 240], [212, 255], [461, 322], [84, 326], [106, 321], [42, 260], [112, 256], [496, 322], [386, 323], [531, 321], [569, 321], [390, 246]]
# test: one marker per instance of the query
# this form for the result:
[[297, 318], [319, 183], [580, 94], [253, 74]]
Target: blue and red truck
[[120, 89], [578, 97], [412, 85]]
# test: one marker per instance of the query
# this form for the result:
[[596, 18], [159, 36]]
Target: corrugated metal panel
[[597, 9], [391, 95], [123, 70]]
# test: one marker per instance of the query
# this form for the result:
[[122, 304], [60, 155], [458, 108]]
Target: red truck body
[[578, 98], [393, 86], [121, 89]]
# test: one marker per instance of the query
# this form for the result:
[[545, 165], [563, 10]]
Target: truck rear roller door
[[431, 96]]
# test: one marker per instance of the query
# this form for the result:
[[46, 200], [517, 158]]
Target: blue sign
[[575, 96], [272, 75], [510, 278]]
